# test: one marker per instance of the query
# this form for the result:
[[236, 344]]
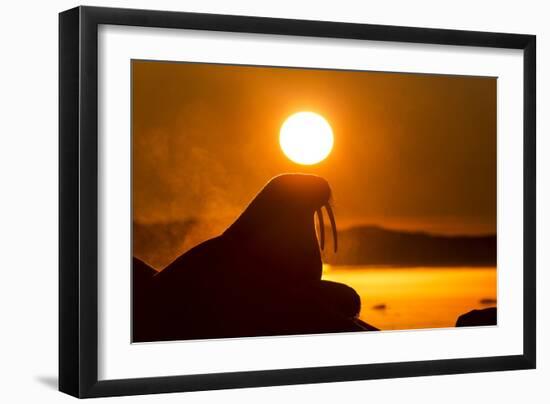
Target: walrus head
[[278, 228]]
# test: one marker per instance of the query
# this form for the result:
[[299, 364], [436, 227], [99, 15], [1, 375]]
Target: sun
[[306, 138]]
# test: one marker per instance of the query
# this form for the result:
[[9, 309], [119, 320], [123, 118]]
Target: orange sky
[[410, 151]]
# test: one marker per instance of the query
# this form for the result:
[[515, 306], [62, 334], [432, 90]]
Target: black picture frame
[[78, 201]]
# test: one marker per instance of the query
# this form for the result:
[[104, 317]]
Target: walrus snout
[[312, 193]]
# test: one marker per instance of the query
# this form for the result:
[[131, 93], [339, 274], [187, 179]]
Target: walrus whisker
[[321, 228], [333, 226]]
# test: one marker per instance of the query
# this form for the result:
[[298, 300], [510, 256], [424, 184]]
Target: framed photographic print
[[251, 201]]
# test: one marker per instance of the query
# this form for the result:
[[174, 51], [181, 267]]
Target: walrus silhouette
[[261, 276]]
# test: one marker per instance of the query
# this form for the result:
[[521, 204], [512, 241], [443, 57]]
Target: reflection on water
[[406, 298]]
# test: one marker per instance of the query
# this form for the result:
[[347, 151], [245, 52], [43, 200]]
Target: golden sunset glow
[[306, 138], [411, 163]]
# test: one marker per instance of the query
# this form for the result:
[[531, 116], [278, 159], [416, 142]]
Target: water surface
[[407, 298]]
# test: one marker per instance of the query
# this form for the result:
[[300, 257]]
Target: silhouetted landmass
[[476, 318], [371, 245]]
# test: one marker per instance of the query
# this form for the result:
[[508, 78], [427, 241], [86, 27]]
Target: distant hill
[[160, 243], [371, 245]]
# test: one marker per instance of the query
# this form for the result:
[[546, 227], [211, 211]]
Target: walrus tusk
[[333, 226], [321, 228]]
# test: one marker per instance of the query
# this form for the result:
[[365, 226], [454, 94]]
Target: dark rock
[[477, 318]]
